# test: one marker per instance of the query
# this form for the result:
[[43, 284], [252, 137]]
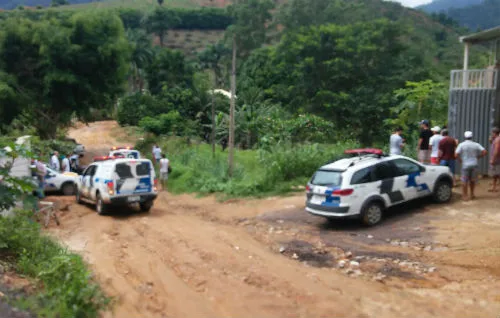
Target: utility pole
[[231, 110], [213, 123]]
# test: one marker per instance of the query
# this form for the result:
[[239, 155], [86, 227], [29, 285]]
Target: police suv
[[126, 152], [118, 181], [369, 182]]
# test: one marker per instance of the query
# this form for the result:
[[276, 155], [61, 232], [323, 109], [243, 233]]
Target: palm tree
[[142, 55]]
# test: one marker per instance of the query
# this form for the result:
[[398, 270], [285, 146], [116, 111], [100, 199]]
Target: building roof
[[483, 36]]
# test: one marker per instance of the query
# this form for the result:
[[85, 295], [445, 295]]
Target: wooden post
[[231, 110]]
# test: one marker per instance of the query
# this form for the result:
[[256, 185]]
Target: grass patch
[[65, 287], [275, 171]]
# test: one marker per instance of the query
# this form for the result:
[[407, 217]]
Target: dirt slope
[[194, 257]]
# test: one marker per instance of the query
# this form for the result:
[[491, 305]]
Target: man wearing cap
[[495, 158], [424, 154], [434, 145], [468, 153]]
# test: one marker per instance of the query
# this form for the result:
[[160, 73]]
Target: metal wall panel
[[474, 110]]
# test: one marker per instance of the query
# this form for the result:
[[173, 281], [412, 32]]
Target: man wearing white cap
[[468, 153], [434, 145]]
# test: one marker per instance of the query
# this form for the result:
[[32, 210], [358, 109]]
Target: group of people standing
[[68, 163], [436, 147]]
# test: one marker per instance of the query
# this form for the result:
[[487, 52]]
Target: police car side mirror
[[422, 169]]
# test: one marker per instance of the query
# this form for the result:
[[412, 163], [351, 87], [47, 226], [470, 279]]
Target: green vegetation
[[64, 286], [479, 16]]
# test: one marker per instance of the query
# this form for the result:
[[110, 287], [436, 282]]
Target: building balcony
[[473, 79]]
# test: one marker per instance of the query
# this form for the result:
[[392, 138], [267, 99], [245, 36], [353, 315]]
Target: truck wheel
[[442, 192], [372, 213], [146, 206], [68, 189], [100, 206]]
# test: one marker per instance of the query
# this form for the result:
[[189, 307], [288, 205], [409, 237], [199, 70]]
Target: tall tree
[[247, 33], [142, 56], [159, 21], [54, 70]]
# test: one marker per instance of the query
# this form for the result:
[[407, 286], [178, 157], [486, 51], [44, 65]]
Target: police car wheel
[[372, 213], [100, 207], [68, 189], [443, 192]]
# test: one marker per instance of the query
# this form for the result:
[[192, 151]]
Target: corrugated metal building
[[474, 102]]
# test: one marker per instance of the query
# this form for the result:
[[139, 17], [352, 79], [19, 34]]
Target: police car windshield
[[327, 178]]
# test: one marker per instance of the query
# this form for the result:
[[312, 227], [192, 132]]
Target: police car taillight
[[111, 188], [343, 192], [308, 188]]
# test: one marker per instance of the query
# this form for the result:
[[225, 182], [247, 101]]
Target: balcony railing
[[473, 79]]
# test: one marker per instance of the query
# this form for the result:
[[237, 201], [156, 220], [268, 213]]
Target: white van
[[120, 181]]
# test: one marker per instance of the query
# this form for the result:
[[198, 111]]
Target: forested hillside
[[444, 5], [481, 16]]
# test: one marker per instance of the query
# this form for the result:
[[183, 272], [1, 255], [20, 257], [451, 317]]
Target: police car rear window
[[143, 169], [327, 178], [124, 171]]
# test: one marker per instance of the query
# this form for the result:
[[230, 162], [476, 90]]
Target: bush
[[65, 285]]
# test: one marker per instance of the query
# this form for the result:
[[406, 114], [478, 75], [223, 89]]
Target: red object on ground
[[370, 151]]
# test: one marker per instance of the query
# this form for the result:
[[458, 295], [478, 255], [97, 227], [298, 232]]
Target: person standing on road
[[447, 147], [156, 153], [41, 171], [65, 165], [424, 155], [396, 142], [54, 162], [164, 170], [468, 153], [434, 145], [495, 158]]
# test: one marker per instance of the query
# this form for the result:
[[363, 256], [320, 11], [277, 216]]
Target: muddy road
[[192, 257]]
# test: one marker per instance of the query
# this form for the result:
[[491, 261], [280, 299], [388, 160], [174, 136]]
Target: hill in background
[[444, 5], [478, 17]]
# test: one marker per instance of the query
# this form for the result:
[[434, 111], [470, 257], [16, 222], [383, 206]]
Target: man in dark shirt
[[424, 153], [447, 147]]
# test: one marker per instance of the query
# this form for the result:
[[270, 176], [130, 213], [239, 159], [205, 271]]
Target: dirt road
[[194, 257]]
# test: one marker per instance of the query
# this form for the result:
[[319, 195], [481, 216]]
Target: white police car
[[125, 152], [55, 181], [364, 185], [118, 181]]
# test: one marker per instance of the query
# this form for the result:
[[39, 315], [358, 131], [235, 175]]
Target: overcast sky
[[412, 3]]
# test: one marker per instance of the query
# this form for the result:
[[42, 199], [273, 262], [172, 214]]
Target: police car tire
[[442, 192], [68, 188], [100, 206], [372, 213], [146, 206]]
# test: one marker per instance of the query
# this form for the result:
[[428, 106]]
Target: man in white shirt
[[54, 162], [434, 145], [164, 169], [468, 153], [156, 153], [65, 164], [396, 142]]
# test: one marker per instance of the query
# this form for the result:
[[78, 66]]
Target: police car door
[[390, 184], [414, 183], [86, 180]]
